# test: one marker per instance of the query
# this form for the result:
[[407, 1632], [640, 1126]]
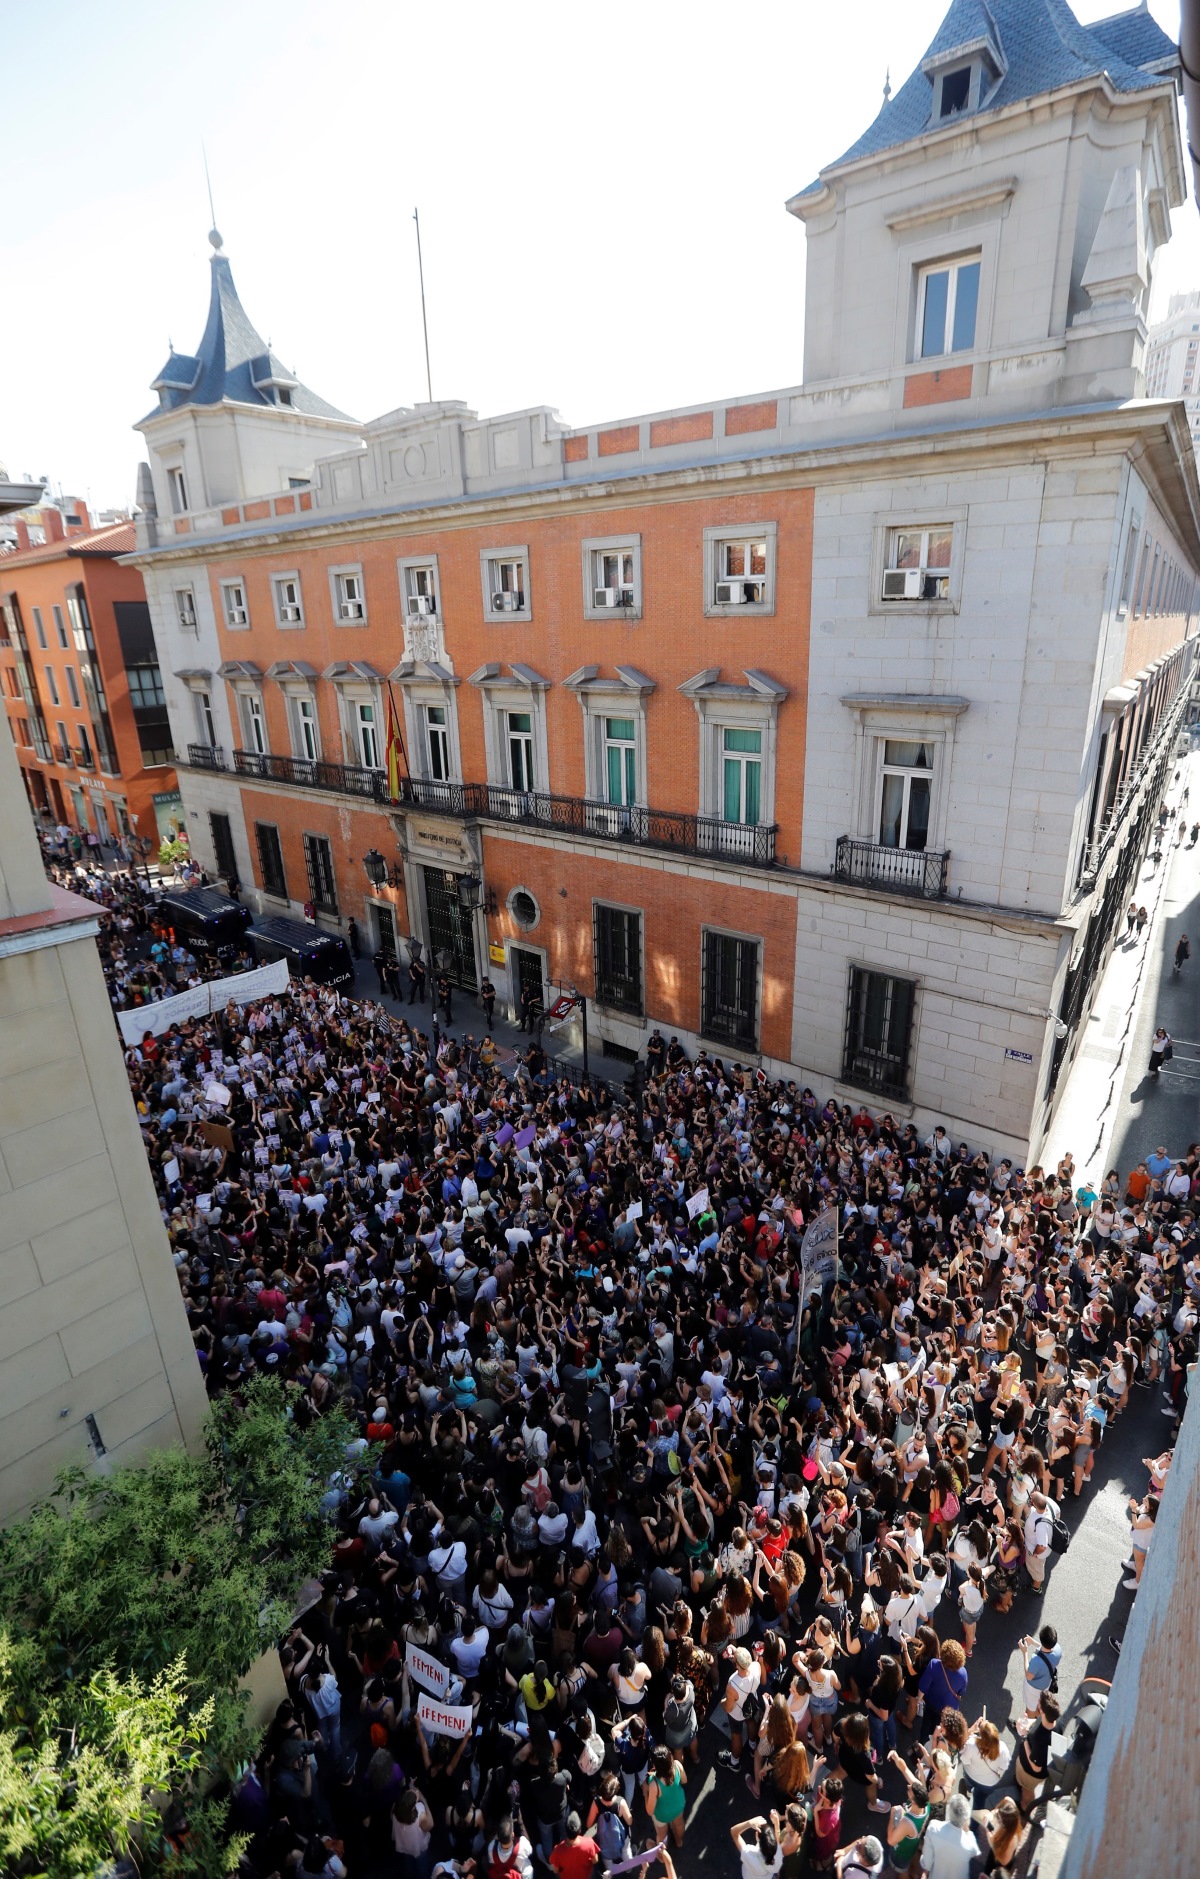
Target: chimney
[[23, 540], [52, 524], [84, 524]]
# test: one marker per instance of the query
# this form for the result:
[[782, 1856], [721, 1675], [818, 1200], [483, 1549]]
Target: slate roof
[[232, 361], [1042, 47]]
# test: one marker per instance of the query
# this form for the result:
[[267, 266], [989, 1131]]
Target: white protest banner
[[171, 1171], [634, 1210], [453, 1719], [819, 1253], [697, 1203], [200, 1000], [426, 1672]]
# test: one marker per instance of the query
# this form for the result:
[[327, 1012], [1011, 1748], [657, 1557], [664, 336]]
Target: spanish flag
[[395, 752]]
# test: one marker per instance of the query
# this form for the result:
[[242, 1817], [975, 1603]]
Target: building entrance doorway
[[385, 928], [451, 938], [527, 976]]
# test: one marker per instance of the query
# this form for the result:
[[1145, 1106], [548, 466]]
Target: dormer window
[[954, 93], [283, 395]]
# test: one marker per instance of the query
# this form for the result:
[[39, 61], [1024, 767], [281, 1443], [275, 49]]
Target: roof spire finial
[[214, 233], [887, 84]]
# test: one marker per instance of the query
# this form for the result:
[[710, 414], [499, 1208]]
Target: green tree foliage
[[182, 1567]]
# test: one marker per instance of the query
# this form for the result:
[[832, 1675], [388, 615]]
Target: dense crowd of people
[[609, 1484]]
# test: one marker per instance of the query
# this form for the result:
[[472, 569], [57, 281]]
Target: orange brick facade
[[937, 388]]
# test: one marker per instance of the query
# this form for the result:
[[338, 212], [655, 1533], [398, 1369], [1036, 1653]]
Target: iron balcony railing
[[1156, 753], [85, 760], [65, 755], [206, 757], [752, 845], [919, 871]]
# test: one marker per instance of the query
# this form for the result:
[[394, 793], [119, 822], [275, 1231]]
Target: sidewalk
[[1096, 1119]]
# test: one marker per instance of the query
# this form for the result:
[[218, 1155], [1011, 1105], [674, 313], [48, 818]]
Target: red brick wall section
[[616, 442], [675, 908], [256, 511], [755, 417], [575, 449], [231, 517], [182, 525], [352, 833], [306, 500], [285, 505], [937, 388], [691, 429]]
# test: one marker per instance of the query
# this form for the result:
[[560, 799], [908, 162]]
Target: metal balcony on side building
[[918, 871]]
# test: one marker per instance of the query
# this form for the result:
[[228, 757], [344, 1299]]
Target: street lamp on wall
[[471, 897], [379, 873]]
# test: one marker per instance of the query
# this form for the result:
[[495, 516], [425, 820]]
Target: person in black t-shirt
[[1033, 1756]]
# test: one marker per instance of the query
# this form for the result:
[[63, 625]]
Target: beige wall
[[91, 1320]]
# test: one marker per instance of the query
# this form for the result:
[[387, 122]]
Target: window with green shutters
[[620, 760], [742, 776]]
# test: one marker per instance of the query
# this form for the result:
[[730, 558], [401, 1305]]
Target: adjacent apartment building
[[822, 726], [80, 676], [1172, 367]]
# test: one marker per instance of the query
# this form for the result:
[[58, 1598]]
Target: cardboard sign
[[697, 1203], [217, 1134], [526, 1137], [452, 1719], [426, 1672]]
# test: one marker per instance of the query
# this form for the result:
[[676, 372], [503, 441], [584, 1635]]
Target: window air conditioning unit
[[607, 597], [289, 613], [351, 610], [507, 603], [729, 593], [237, 616], [420, 603], [902, 584]]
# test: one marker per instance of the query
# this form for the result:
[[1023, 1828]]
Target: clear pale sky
[[601, 192]]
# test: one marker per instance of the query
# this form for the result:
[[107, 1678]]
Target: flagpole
[[424, 321]]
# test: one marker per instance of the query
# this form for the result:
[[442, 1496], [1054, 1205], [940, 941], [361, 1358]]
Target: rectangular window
[[222, 841], [508, 586], [84, 749], [318, 860], [72, 685], [60, 626], [255, 723], [620, 761], [614, 577], [1127, 571], [879, 1021], [39, 628], [741, 574], [145, 687], [306, 730], [741, 753], [51, 682], [905, 795], [917, 563], [618, 942], [289, 609], [1141, 579], [270, 860], [63, 752], [520, 749], [947, 302], [178, 489], [12, 681], [420, 590], [204, 718], [366, 734], [437, 740], [349, 596], [185, 609], [729, 990], [233, 604]]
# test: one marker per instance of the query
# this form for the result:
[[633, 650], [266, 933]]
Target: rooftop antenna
[[424, 321], [214, 234]]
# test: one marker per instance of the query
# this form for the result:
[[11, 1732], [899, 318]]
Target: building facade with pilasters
[[822, 727]]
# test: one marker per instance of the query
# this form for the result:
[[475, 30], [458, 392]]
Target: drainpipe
[[1189, 58]]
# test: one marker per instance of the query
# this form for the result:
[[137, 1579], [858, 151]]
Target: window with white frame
[[254, 724], [437, 742], [947, 307], [177, 485], [304, 726], [741, 775], [349, 596], [905, 793], [740, 569], [289, 604], [205, 722], [518, 726], [917, 563], [612, 576], [233, 604], [365, 724], [419, 587], [620, 761], [505, 576], [185, 609]]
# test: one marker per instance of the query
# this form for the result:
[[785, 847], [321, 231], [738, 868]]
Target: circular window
[[524, 908]]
